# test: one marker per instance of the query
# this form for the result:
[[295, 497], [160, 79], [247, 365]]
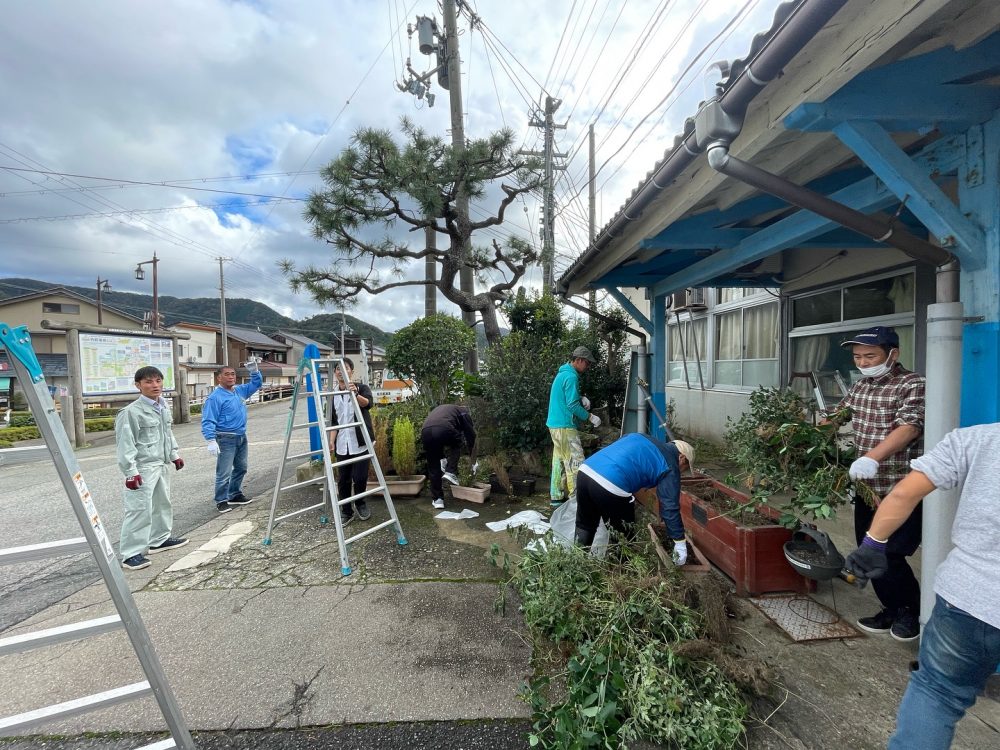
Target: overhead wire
[[562, 38]]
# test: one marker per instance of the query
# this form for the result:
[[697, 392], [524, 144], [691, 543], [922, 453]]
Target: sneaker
[[136, 562], [346, 518], [240, 499], [880, 623], [451, 477], [906, 627], [364, 512], [439, 504], [223, 507], [171, 543]]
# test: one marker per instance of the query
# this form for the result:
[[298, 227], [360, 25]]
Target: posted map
[[109, 361]]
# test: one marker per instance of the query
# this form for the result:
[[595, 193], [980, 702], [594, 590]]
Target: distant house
[[56, 304], [275, 366], [392, 390], [199, 357], [298, 344]]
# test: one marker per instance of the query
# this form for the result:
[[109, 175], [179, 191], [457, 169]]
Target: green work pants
[[148, 514]]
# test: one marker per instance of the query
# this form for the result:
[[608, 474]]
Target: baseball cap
[[687, 450], [582, 352], [877, 336]]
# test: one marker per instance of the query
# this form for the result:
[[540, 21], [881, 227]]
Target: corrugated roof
[[249, 336]]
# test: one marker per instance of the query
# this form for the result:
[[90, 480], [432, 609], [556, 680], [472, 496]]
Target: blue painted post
[[315, 443], [979, 199]]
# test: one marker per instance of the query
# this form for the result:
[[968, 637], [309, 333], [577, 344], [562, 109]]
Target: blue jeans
[[230, 466], [958, 653]]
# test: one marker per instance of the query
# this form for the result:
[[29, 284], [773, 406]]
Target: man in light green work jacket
[[146, 447]]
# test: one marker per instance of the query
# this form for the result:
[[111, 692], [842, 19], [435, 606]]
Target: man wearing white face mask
[[887, 413]]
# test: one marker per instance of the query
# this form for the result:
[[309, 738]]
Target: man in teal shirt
[[566, 406]]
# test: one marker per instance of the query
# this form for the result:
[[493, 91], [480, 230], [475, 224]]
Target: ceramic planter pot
[[477, 494], [409, 486]]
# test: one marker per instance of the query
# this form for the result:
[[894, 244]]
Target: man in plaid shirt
[[887, 413]]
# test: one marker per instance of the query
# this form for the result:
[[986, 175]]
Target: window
[[831, 316], [199, 352], [687, 342], [180, 350], [60, 307], [731, 294], [746, 346]]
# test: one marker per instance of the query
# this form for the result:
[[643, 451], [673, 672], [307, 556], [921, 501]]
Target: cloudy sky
[[230, 107]]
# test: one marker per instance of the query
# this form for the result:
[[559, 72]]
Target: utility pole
[[592, 233], [548, 199], [222, 310], [449, 75]]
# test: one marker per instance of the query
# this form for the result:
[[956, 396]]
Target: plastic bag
[[563, 522]]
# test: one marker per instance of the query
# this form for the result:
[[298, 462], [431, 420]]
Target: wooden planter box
[[477, 494], [696, 560], [751, 555], [410, 486]]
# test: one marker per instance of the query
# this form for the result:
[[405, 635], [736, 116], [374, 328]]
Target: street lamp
[[140, 274], [103, 285]]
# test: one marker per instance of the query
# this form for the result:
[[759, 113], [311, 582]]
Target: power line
[[133, 211], [85, 188]]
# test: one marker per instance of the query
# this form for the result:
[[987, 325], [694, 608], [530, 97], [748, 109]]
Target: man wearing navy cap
[[887, 413]]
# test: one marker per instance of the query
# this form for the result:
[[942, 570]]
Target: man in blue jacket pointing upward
[[224, 426], [609, 479]]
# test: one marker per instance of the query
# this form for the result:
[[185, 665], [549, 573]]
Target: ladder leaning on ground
[[95, 541]]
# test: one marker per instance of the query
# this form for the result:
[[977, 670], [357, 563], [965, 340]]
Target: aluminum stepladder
[[95, 541], [309, 380]]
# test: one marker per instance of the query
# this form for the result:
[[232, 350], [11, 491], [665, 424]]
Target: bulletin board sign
[[108, 362]]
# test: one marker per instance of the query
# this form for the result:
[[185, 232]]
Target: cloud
[[193, 90]]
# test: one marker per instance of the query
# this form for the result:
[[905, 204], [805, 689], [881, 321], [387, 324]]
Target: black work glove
[[868, 560]]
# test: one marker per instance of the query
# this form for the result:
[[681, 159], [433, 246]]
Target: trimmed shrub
[[99, 425], [14, 434], [404, 447]]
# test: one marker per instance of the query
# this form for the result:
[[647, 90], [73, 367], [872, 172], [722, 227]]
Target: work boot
[[585, 537]]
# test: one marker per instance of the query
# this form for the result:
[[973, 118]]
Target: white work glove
[[444, 464], [863, 468], [680, 553], [595, 420], [252, 366], [585, 402], [213, 448], [475, 467]]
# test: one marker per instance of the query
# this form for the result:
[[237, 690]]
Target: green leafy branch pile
[[778, 450], [633, 655]]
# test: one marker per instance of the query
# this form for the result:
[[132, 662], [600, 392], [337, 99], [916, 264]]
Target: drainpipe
[[878, 228], [642, 415], [943, 367]]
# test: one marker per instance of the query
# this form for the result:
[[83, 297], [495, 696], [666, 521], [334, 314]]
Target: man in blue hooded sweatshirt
[[610, 478], [566, 406]]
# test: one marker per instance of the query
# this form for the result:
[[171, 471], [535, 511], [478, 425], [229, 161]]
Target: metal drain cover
[[804, 619]]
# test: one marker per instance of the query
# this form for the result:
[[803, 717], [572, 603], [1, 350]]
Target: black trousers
[[898, 588], [351, 480], [594, 503], [438, 443]]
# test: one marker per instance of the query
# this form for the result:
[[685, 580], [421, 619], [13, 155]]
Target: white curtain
[[760, 325], [728, 344]]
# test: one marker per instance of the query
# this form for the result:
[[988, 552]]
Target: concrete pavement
[[269, 646]]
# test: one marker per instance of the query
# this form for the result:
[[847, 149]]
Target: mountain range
[[241, 312]]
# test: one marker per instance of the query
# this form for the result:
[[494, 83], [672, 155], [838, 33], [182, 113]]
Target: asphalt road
[[34, 507]]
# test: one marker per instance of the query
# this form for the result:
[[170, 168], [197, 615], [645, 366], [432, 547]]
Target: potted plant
[[380, 441], [472, 486], [404, 458]]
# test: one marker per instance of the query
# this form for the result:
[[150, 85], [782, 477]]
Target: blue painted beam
[[868, 195], [941, 88], [924, 198], [631, 309]]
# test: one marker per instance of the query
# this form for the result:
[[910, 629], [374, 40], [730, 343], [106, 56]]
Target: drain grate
[[804, 619]]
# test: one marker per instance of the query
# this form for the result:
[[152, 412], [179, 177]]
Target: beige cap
[[687, 450]]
